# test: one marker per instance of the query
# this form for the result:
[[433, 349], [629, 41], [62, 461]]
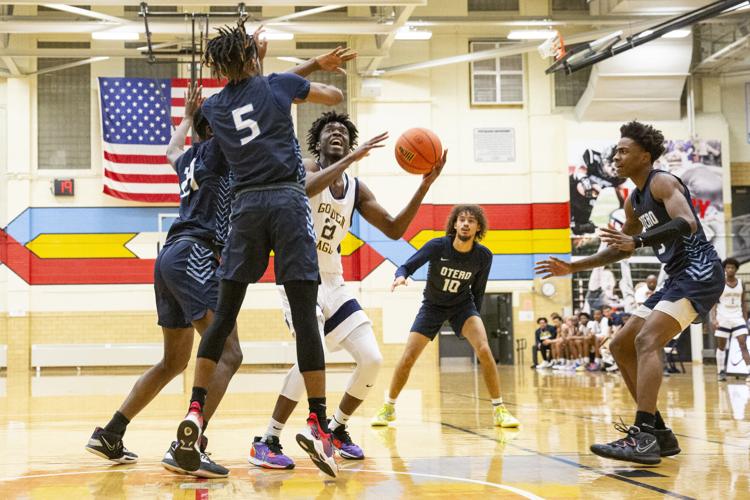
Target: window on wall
[[64, 111], [492, 5], [139, 67], [498, 80], [308, 113], [570, 88], [566, 5]]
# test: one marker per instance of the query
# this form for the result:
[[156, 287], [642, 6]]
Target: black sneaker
[[722, 376], [207, 468], [169, 463], [109, 445], [668, 445], [638, 446]]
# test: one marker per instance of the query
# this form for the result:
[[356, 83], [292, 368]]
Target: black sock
[[592, 357], [118, 424], [644, 420], [318, 407], [659, 422], [199, 395]]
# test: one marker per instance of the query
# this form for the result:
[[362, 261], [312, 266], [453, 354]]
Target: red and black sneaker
[[317, 443], [186, 454]]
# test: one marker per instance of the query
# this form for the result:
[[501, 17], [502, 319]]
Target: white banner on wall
[[494, 145]]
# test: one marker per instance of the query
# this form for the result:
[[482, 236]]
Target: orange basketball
[[418, 150]]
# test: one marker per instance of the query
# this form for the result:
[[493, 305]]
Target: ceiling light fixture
[[406, 33], [531, 34], [277, 35], [115, 35]]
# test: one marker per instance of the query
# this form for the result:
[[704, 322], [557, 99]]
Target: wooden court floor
[[441, 446]]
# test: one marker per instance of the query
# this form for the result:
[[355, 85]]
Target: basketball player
[[660, 214], [730, 318], [186, 288], [252, 123], [335, 196], [456, 280]]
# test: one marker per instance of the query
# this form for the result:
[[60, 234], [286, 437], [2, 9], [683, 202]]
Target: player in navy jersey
[[252, 123], [660, 214], [459, 267], [186, 288]]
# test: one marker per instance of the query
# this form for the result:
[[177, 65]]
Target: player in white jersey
[[334, 196], [730, 318]]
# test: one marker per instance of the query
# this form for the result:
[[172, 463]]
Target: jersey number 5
[[240, 124], [451, 286]]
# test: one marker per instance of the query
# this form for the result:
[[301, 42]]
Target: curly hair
[[473, 210], [313, 135], [229, 53], [731, 261], [646, 136]]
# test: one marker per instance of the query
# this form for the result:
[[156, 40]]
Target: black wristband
[[638, 241]]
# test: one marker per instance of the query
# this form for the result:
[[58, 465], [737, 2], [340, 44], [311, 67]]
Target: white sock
[[497, 401], [274, 428], [390, 401], [720, 359], [339, 418], [598, 360]]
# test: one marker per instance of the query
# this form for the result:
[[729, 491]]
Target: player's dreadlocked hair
[[474, 210], [313, 135], [646, 136], [229, 54]]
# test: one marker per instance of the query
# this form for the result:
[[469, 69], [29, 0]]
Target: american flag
[[138, 116]]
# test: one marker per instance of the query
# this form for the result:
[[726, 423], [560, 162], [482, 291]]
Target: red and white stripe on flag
[[136, 132]]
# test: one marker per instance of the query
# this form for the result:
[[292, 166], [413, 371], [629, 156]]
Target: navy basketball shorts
[[684, 298], [185, 283], [275, 218], [431, 317]]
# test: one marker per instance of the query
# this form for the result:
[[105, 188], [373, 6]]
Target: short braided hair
[[229, 53], [646, 136]]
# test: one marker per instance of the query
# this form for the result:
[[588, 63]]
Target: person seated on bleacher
[[543, 337]]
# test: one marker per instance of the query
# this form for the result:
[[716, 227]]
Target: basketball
[[418, 150]]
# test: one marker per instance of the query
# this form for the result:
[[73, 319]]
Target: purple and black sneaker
[[343, 443], [266, 453]]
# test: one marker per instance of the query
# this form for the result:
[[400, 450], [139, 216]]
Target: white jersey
[[332, 218], [730, 303]]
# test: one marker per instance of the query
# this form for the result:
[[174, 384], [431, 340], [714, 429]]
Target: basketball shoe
[[637, 446], [266, 452], [186, 454], [109, 445], [503, 418], [342, 441], [208, 468], [387, 413], [668, 444], [317, 444]]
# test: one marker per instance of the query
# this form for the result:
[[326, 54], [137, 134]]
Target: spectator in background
[[543, 337], [645, 289]]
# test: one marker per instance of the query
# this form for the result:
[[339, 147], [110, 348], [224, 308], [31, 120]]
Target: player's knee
[[484, 351], [232, 356], [645, 341], [372, 363], [173, 366]]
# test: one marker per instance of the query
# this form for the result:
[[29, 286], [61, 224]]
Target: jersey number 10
[[451, 286], [240, 124]]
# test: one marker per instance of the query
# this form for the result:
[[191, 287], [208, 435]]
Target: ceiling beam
[[385, 43], [233, 3], [12, 66], [85, 13]]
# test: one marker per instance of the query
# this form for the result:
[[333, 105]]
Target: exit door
[[497, 315]]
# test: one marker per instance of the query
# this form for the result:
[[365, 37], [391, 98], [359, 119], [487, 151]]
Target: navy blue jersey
[[692, 254], [453, 277], [205, 195], [253, 123]]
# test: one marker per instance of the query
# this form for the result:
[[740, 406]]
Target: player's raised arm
[[332, 62], [320, 93], [177, 141], [416, 261], [378, 216], [318, 180]]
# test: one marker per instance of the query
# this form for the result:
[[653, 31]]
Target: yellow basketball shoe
[[504, 419], [387, 413]]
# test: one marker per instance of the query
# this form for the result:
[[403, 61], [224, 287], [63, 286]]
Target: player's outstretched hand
[[365, 148], [429, 177], [617, 239], [552, 267], [400, 280], [261, 42], [193, 99], [334, 60]]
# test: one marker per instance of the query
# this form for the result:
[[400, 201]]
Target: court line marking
[[512, 489], [574, 464], [595, 419]]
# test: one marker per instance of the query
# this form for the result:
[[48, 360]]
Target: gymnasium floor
[[442, 445]]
